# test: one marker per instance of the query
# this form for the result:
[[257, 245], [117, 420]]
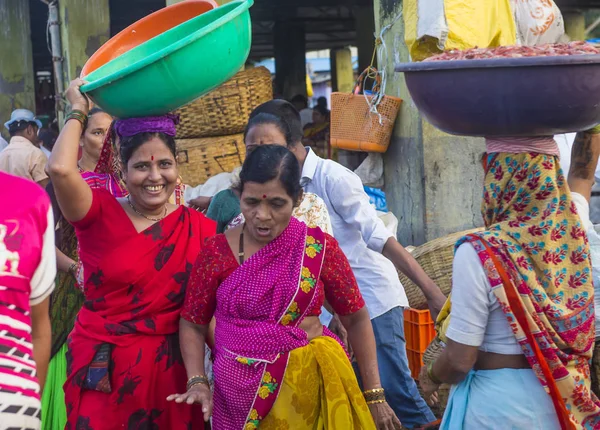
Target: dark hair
[[300, 99], [17, 127], [266, 118], [322, 101], [48, 138], [130, 144], [286, 111], [322, 110], [93, 112], [268, 162]]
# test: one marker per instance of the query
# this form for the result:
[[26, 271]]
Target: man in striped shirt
[[27, 271]]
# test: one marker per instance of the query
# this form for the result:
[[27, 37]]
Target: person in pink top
[[27, 272]]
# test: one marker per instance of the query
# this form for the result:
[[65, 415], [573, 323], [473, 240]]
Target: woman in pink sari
[[275, 365]]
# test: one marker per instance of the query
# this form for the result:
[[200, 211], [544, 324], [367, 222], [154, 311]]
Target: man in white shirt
[[582, 173]]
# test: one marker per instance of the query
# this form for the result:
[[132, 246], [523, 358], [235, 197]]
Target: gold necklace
[[146, 216]]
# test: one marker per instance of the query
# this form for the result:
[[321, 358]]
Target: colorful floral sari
[[131, 312], [260, 349], [536, 256]]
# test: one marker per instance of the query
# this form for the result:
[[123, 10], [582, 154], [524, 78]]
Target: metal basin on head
[[502, 97]]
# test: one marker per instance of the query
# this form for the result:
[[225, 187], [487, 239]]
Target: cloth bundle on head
[[522, 145], [150, 124]]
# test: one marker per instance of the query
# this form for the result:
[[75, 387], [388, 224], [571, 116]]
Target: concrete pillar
[[365, 35], [289, 39], [85, 26], [342, 73], [433, 181], [574, 24], [17, 88]]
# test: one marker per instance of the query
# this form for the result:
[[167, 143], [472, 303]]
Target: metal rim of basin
[[243, 6], [558, 60]]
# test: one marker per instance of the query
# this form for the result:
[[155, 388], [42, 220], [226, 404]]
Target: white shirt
[[3, 143], [583, 209], [477, 318], [359, 231]]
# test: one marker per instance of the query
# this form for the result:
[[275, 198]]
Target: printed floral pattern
[[541, 247]]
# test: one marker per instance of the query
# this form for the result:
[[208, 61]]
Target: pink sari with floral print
[[259, 309]]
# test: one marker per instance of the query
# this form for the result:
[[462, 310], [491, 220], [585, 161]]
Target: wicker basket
[[199, 159], [225, 111], [436, 258], [354, 127]]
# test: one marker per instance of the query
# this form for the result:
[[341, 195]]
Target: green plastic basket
[[176, 67]]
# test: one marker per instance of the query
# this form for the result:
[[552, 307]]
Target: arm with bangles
[[584, 161], [72, 192], [343, 296]]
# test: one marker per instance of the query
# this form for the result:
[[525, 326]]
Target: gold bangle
[[374, 391], [196, 380], [375, 402], [374, 395], [431, 376]]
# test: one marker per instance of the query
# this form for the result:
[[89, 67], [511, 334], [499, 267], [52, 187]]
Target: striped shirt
[[27, 272]]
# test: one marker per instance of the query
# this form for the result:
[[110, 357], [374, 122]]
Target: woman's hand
[[429, 387], [384, 417], [76, 98], [199, 395]]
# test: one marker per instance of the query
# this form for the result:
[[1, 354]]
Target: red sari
[[134, 290]]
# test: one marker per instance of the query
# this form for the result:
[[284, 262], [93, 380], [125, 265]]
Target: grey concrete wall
[[433, 180], [16, 65]]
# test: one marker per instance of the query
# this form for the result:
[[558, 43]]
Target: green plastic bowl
[[175, 67]]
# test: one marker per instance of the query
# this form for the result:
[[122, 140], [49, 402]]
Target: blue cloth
[[401, 391], [511, 399], [377, 198]]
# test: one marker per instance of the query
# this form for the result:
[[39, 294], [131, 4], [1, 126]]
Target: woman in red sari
[[137, 252]]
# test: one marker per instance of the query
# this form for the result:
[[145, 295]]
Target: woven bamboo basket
[[200, 159], [225, 111], [436, 258]]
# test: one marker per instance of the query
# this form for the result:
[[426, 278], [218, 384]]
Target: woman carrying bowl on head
[[521, 328], [67, 298], [137, 253]]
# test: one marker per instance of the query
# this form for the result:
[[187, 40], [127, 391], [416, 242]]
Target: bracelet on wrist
[[197, 380], [79, 116], [376, 402], [431, 375], [374, 395]]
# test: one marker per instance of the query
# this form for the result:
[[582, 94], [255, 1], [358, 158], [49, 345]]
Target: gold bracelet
[[431, 376], [374, 395], [196, 380], [375, 402]]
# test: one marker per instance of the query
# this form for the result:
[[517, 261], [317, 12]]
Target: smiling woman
[[137, 252]]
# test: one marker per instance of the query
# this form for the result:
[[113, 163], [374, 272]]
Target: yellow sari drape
[[319, 391]]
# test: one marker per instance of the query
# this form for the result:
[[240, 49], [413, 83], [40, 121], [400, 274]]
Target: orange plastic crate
[[419, 331], [415, 362]]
